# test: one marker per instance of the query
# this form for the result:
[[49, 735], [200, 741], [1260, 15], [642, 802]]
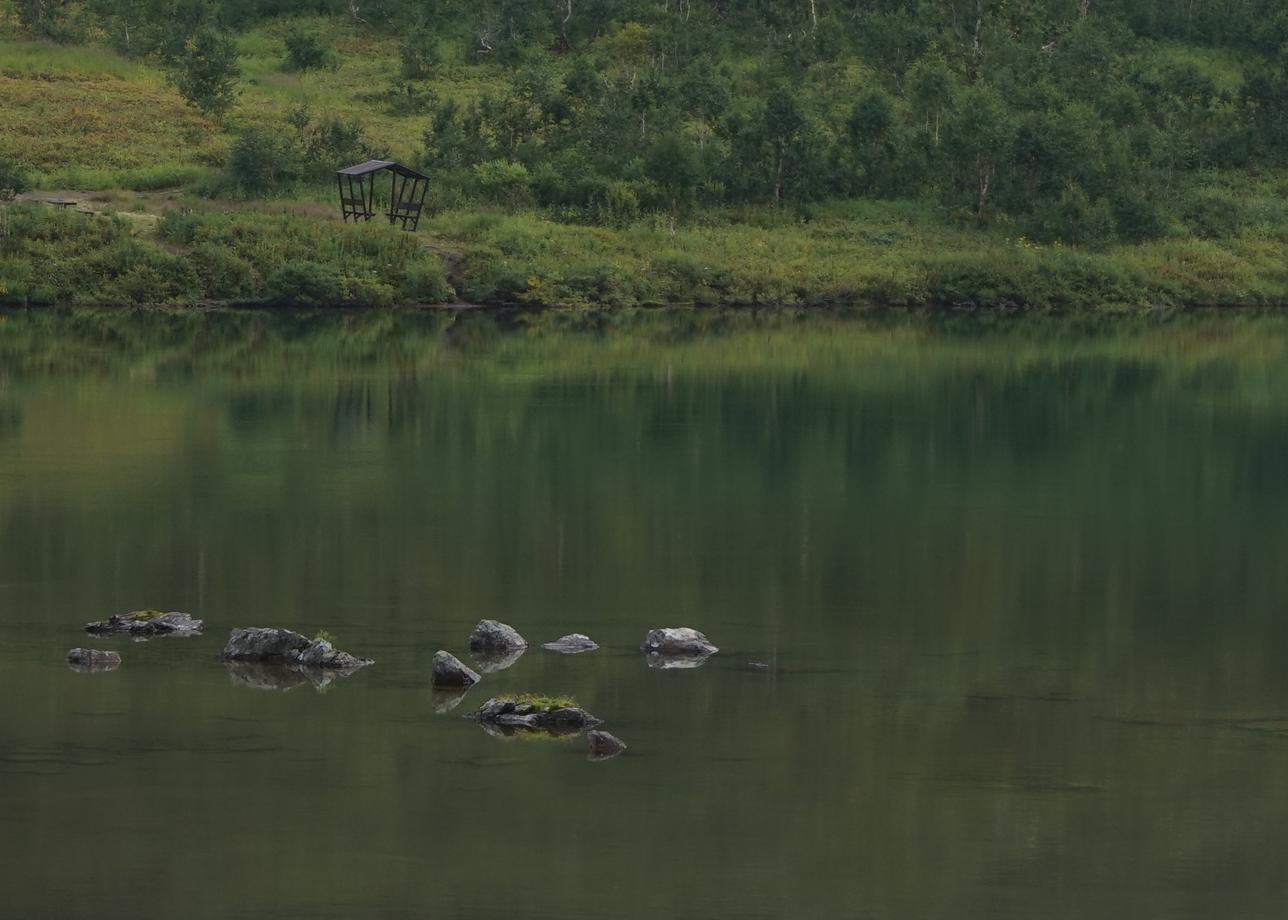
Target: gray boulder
[[92, 659], [572, 644], [680, 641], [493, 637], [321, 654], [555, 719], [286, 647], [265, 644], [603, 745], [145, 624], [450, 672]]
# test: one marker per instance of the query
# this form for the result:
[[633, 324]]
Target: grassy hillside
[[173, 227]]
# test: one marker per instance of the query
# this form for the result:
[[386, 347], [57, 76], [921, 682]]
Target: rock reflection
[[260, 676], [445, 701], [87, 660], [524, 733], [491, 662], [675, 662]]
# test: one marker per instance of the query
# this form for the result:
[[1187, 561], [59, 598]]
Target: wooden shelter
[[407, 190]]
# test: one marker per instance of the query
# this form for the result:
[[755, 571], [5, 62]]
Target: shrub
[[617, 203], [13, 179], [305, 284], [261, 161], [503, 181], [1075, 219], [418, 53], [1138, 216], [336, 142], [306, 51], [131, 273], [223, 275], [365, 291], [425, 282], [1213, 215], [205, 71]]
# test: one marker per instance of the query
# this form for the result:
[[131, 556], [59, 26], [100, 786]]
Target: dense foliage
[[1079, 120]]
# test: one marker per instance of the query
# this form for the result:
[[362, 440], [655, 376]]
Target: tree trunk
[[985, 180]]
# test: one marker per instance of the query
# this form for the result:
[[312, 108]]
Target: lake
[[1000, 608]]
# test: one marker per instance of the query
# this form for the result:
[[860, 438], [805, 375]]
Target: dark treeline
[[1080, 120]]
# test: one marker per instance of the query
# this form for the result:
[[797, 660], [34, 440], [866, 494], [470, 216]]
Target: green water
[[1001, 616]]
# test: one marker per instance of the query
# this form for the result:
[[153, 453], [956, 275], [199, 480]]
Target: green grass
[[88, 119], [541, 701]]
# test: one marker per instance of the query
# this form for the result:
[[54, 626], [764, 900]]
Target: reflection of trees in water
[[10, 419], [363, 408]]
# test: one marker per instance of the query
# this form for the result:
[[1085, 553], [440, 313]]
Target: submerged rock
[[552, 717], [450, 671], [492, 637], [285, 647], [92, 659], [572, 644], [678, 642], [144, 624], [604, 745]]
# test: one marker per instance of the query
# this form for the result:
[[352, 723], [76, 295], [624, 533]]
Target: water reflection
[[490, 662], [1002, 618], [280, 677]]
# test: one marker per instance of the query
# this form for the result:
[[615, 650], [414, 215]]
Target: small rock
[[493, 636], [92, 659], [678, 641], [604, 745], [573, 644], [555, 719], [286, 647], [450, 671], [321, 654], [144, 624]]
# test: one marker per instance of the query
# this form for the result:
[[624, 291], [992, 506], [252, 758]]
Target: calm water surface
[[1001, 617]]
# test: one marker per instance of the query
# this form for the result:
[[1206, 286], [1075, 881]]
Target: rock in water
[[268, 645], [492, 637], [559, 720], [321, 654], [450, 672], [92, 659], [603, 745], [285, 647], [572, 644], [677, 642], [144, 624]]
